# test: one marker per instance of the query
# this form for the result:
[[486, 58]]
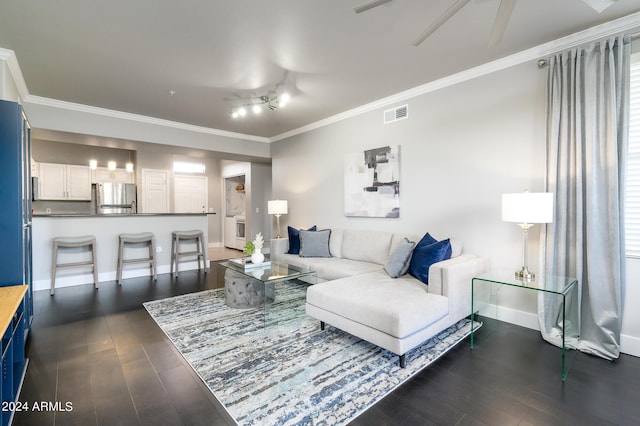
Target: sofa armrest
[[452, 278]]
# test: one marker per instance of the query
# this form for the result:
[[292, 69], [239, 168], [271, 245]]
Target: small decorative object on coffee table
[[257, 257], [246, 264]]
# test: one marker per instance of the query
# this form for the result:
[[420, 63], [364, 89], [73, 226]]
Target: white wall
[[8, 88], [260, 194], [630, 340], [461, 148]]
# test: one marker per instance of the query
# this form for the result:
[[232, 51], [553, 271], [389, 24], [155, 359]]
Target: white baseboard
[[629, 345], [521, 318], [217, 244], [81, 279]]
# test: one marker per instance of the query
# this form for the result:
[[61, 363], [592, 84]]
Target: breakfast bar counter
[[106, 229]]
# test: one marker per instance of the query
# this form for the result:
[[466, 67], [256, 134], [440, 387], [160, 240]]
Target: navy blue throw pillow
[[427, 252], [294, 239]]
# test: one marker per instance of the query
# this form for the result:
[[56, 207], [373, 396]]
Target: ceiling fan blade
[[502, 19], [369, 5], [599, 5], [459, 4]]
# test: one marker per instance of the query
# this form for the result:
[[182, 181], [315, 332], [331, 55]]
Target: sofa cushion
[[315, 243], [341, 268], [398, 307], [294, 239], [368, 246], [330, 268], [427, 252], [398, 238], [398, 262], [335, 242]]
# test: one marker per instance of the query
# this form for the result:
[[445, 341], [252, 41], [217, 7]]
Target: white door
[[190, 194], [155, 191]]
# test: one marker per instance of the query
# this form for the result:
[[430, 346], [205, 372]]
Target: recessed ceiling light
[[172, 92], [256, 109]]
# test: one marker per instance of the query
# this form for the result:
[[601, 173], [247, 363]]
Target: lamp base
[[525, 275]]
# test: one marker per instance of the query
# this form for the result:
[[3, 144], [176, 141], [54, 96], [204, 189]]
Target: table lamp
[[278, 208], [526, 209]]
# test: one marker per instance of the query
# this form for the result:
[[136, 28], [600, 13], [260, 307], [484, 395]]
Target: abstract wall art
[[372, 183]]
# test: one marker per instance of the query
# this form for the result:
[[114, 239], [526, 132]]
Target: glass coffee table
[[278, 290]]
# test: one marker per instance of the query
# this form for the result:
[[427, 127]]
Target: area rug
[[276, 367]]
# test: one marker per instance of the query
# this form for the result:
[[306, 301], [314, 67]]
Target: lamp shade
[[528, 207], [277, 207]]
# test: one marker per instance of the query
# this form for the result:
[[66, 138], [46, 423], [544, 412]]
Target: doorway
[[235, 212]]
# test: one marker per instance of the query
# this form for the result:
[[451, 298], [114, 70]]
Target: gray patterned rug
[[276, 367]]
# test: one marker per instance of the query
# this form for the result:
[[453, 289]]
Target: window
[[632, 194]]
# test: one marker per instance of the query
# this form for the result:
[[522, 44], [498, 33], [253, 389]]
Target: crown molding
[[55, 103], [10, 59], [608, 29]]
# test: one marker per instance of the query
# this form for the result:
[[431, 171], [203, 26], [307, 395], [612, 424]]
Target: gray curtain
[[587, 127]]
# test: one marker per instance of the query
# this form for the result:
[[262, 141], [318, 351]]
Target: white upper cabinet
[[78, 183], [64, 182]]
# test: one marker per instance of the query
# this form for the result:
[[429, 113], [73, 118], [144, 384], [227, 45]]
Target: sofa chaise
[[356, 293]]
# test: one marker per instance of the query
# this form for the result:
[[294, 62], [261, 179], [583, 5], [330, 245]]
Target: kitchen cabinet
[[16, 293], [103, 174], [64, 182], [13, 312]]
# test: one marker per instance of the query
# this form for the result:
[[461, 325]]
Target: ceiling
[[127, 55]]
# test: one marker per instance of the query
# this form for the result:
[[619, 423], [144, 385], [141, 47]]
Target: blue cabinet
[[13, 360], [15, 250]]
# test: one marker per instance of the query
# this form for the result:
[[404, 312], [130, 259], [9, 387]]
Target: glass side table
[[484, 288]]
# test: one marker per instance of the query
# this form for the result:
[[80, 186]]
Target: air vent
[[395, 114]]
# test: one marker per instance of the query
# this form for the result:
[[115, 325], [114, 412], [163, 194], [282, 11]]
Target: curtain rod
[[628, 38]]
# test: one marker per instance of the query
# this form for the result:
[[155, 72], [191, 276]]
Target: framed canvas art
[[372, 183]]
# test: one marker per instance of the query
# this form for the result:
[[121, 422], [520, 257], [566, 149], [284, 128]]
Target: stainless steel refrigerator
[[116, 198]]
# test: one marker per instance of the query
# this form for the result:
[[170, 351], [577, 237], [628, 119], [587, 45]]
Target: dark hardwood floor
[[101, 352]]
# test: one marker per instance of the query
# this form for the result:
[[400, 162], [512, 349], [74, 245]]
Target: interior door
[[190, 194], [155, 191]]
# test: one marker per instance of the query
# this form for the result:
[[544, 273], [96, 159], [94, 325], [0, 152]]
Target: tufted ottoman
[[241, 291]]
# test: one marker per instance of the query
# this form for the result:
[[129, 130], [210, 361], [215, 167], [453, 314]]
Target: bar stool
[[194, 236], [139, 238], [74, 242]]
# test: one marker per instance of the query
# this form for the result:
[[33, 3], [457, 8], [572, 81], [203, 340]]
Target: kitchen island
[[106, 229]]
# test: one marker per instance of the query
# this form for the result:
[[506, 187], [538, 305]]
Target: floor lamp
[[278, 208], [526, 209]]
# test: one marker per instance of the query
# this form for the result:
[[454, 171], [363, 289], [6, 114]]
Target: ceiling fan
[[499, 25]]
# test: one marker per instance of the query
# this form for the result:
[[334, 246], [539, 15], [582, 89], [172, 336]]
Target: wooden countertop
[[10, 298]]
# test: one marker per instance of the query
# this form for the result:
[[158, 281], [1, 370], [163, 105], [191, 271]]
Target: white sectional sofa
[[356, 294]]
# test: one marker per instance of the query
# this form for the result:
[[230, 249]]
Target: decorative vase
[[257, 257]]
